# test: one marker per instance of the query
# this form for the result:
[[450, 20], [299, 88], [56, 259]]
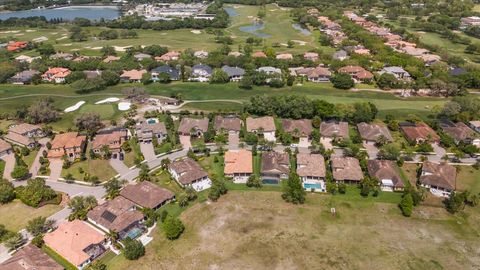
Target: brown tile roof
[[70, 240], [259, 55], [334, 129], [318, 72], [385, 169], [346, 168], [65, 141], [186, 125], [116, 215], [30, 258], [371, 132], [19, 139], [145, 128], [228, 123], [24, 128], [113, 139], [266, 123], [274, 162], [419, 131], [459, 131], [441, 175], [147, 194], [4, 146], [238, 161], [188, 170], [351, 69], [302, 126], [110, 59], [133, 74], [310, 165]]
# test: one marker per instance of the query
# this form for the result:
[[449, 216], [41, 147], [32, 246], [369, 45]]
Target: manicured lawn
[[468, 179], [162, 178], [216, 106], [94, 167], [410, 171], [213, 168], [30, 158], [15, 215]]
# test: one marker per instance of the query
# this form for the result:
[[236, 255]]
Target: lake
[[67, 13], [231, 11], [254, 29]]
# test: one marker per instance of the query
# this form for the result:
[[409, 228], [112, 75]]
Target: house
[[362, 51], [475, 125], [334, 129], [109, 59], [68, 144], [235, 54], [27, 130], [263, 126], [387, 173], [201, 73], [440, 178], [311, 170], [63, 56], [457, 71], [301, 128], [270, 70], [275, 167], [23, 77], [173, 73], [111, 139], [150, 129], [187, 172], [284, 56], [30, 257], [430, 59], [312, 56], [18, 139], [147, 195], [119, 215], [16, 46], [5, 148], [358, 73], [56, 75], [340, 55], [26, 59], [460, 132], [169, 56], [193, 127], [370, 133], [259, 55], [470, 21], [201, 54], [77, 242], [398, 72], [235, 74], [346, 170], [230, 124], [82, 58], [141, 56], [319, 74], [419, 132], [133, 75], [238, 165]]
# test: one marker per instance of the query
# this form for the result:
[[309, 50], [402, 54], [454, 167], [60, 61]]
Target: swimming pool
[[312, 185], [151, 121], [270, 181], [134, 233]]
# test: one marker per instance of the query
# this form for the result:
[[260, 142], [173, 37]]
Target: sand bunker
[[62, 38], [124, 106], [196, 32], [121, 49], [75, 107], [107, 100]]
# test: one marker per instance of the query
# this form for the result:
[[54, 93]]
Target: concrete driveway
[[119, 166], [147, 150], [304, 143], [439, 153], [185, 141], [55, 168], [372, 150], [233, 140], [327, 143], [9, 165]]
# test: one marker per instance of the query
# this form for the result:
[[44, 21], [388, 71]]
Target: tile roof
[[116, 215], [113, 139], [186, 124], [441, 175], [385, 170], [418, 131], [30, 257], [371, 132], [68, 140], [24, 128], [458, 131], [334, 129], [302, 126], [70, 240], [133, 74], [17, 138], [238, 161], [310, 165], [229, 123], [147, 194], [346, 168], [188, 170], [4, 146], [275, 162], [266, 123]]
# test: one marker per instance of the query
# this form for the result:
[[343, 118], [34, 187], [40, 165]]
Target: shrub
[[7, 191], [173, 227], [133, 249], [406, 205]]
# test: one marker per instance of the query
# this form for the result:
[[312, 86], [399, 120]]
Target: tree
[[97, 265], [35, 192], [293, 191], [133, 249], [15, 241], [455, 202], [406, 205], [42, 111], [144, 175], [7, 191], [46, 49], [113, 187], [219, 76], [80, 206], [387, 81], [254, 181], [89, 122], [342, 81], [39, 225], [217, 190], [173, 227], [110, 77]]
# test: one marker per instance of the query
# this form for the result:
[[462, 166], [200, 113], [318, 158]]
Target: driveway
[[233, 140], [303, 143], [55, 168], [185, 141], [147, 150], [372, 150], [439, 153], [9, 165], [327, 143], [119, 166]]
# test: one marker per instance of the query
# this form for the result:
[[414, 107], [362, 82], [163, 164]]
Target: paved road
[[9, 165]]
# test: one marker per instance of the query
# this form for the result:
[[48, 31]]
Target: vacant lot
[[257, 230], [16, 215]]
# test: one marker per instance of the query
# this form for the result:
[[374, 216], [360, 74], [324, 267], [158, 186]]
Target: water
[[270, 181], [231, 11], [151, 121], [302, 30], [134, 233], [310, 186], [67, 13], [254, 29]]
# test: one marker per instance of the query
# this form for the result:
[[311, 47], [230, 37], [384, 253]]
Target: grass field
[[271, 234], [16, 215], [95, 167]]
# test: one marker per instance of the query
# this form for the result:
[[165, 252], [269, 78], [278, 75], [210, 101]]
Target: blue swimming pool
[[151, 121], [134, 233], [310, 186], [270, 181]]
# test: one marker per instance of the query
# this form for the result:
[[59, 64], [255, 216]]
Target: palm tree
[[165, 163], [112, 236], [15, 241], [90, 202]]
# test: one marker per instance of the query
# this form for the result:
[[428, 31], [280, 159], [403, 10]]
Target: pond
[[254, 29], [231, 11], [302, 30], [67, 13]]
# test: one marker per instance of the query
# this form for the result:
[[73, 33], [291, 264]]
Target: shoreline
[[118, 7]]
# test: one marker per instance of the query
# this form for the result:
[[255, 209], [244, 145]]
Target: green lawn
[[217, 106], [162, 178], [15, 215], [94, 167], [30, 158], [468, 179]]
